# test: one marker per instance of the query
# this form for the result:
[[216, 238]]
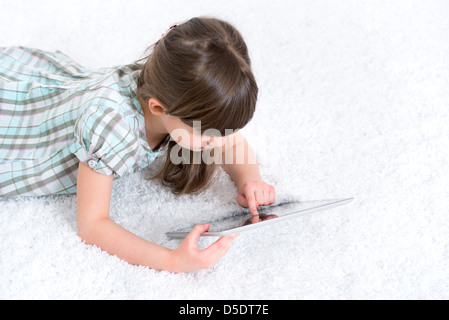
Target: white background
[[353, 102]]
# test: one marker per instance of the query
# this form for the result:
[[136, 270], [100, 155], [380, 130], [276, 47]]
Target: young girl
[[65, 129]]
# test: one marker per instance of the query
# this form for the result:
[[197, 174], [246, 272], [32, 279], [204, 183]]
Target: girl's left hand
[[254, 194]]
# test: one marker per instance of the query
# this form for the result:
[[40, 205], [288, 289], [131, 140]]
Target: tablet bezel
[[333, 203]]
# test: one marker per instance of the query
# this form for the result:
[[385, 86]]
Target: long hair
[[200, 71]]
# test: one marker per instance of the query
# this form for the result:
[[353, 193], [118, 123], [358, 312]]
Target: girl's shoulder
[[104, 138], [105, 124]]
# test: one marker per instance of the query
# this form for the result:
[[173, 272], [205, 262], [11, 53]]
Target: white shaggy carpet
[[354, 102]]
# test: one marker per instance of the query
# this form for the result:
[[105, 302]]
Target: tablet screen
[[267, 214]]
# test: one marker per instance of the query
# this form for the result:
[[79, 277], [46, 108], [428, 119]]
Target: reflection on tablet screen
[[244, 217]]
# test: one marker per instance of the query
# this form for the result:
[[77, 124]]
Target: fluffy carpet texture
[[353, 102]]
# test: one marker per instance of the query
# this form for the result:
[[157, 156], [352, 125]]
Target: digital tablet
[[243, 220]]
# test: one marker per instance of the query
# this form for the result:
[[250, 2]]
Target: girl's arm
[[239, 161], [94, 227]]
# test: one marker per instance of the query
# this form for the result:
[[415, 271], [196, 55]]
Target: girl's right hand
[[188, 258]]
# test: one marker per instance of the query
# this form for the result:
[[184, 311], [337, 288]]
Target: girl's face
[[191, 138]]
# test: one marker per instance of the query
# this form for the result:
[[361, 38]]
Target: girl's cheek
[[187, 144]]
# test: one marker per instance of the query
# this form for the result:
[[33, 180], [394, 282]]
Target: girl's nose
[[209, 141]]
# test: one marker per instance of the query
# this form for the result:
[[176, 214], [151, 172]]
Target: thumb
[[194, 235], [248, 202]]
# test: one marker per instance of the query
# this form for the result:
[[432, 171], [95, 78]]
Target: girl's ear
[[156, 107]]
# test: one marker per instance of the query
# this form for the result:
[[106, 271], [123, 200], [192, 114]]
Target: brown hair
[[200, 71]]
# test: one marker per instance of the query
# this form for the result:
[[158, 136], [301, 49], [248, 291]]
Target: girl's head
[[199, 71]]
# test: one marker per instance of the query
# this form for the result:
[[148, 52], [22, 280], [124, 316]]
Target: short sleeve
[[105, 141]]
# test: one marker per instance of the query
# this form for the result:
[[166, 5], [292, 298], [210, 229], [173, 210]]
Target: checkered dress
[[55, 113]]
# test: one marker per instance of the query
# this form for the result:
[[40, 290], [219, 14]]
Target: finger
[[269, 196], [194, 235], [219, 248], [259, 196], [255, 219], [266, 195], [272, 195], [252, 204]]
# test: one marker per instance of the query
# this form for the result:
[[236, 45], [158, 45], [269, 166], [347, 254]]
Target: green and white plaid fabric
[[55, 113]]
